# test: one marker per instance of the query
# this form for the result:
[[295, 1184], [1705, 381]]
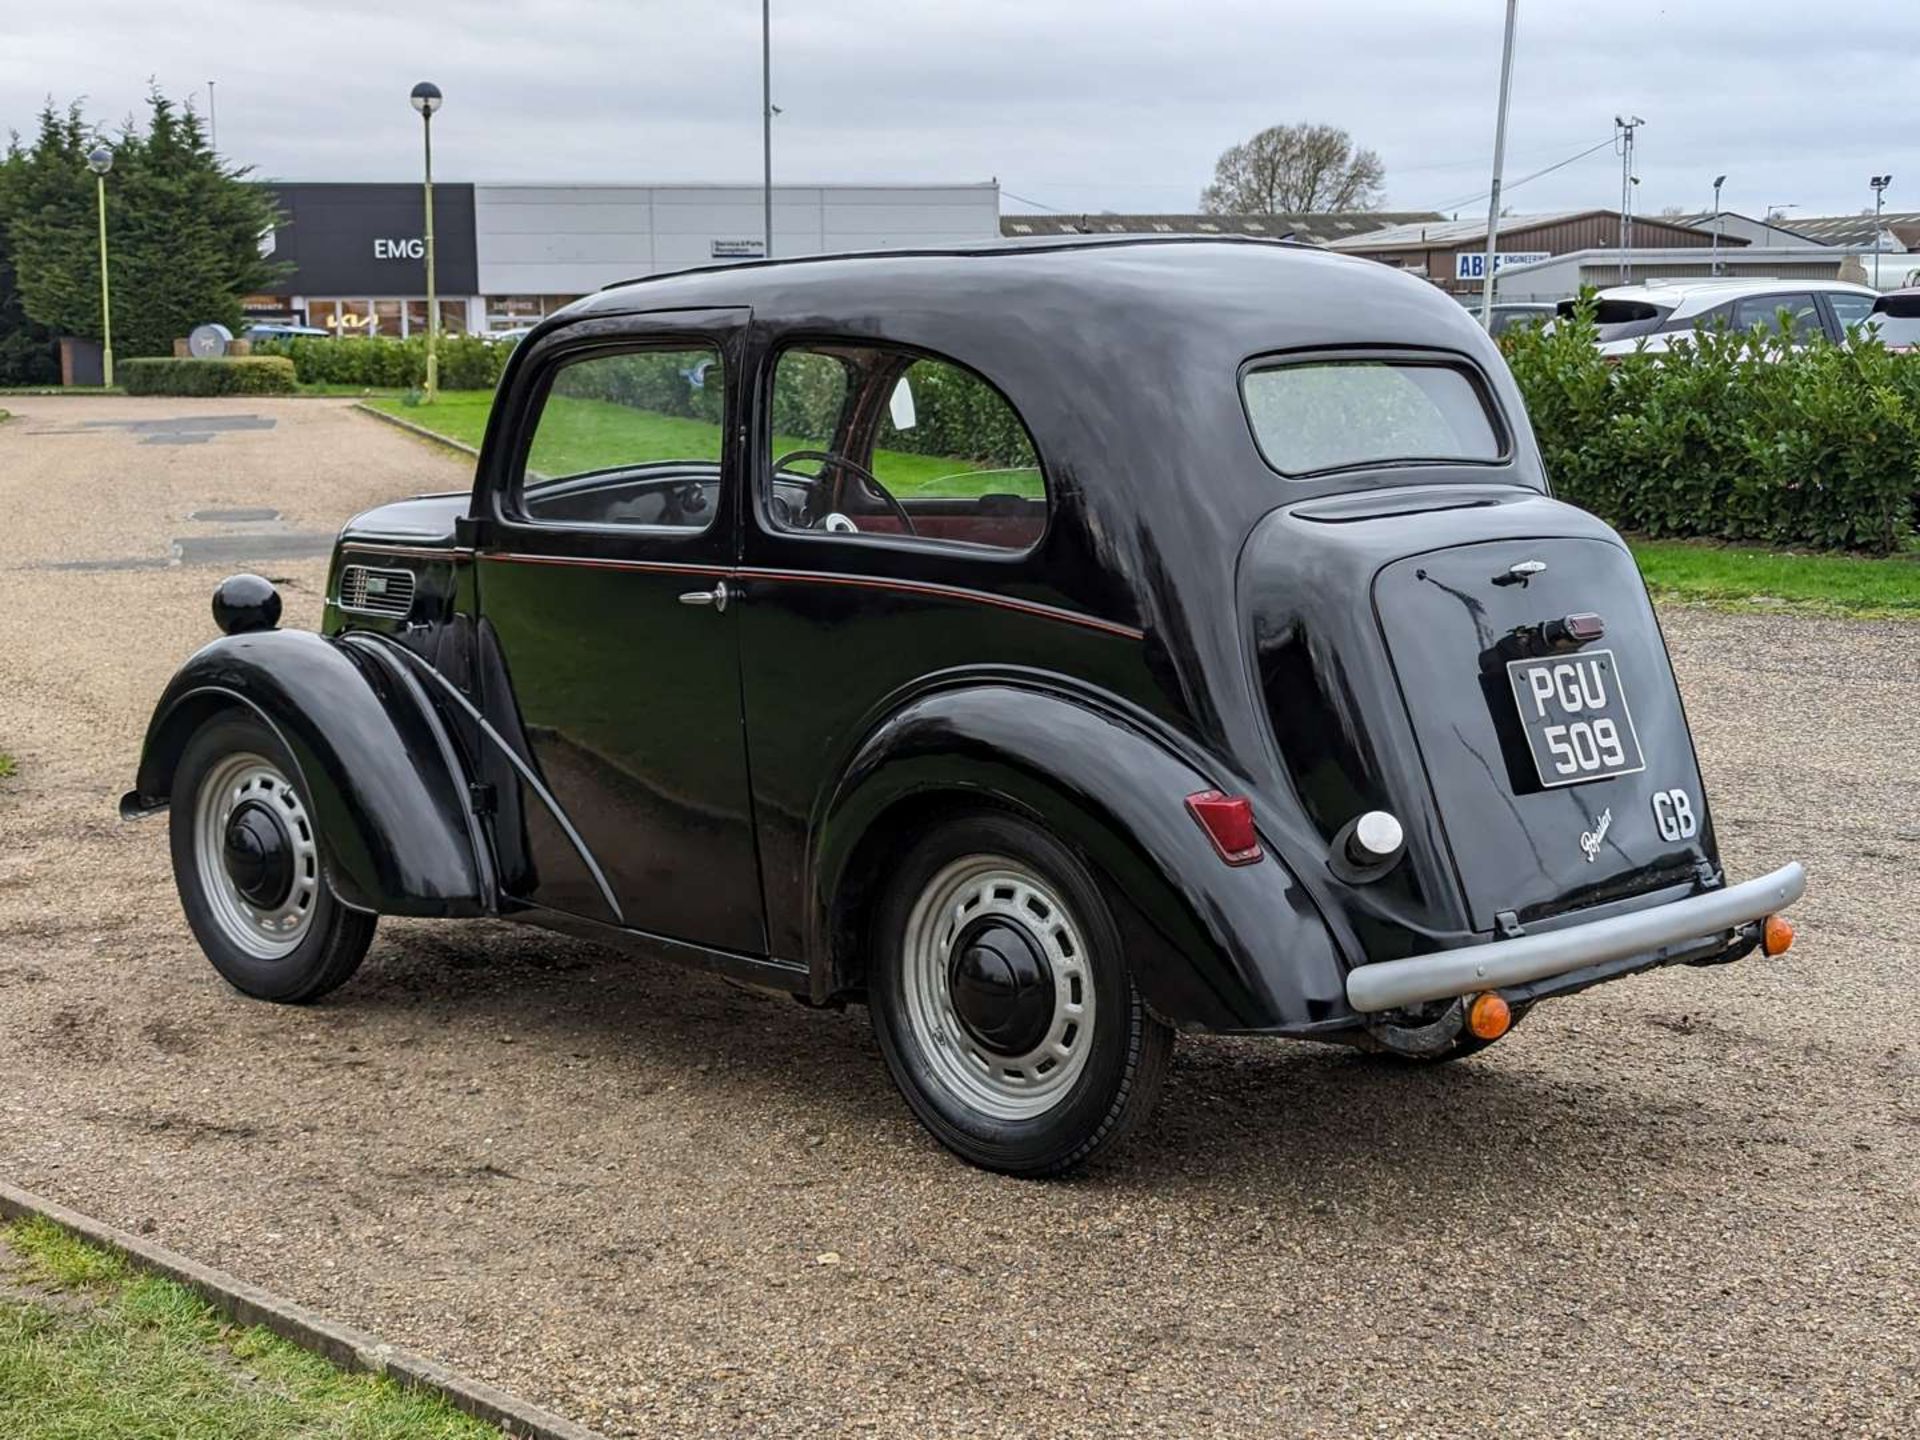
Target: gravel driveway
[[1685, 1204]]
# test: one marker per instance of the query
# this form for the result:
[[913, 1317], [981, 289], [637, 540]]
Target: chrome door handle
[[717, 597]]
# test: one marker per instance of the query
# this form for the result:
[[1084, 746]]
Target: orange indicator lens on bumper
[[1489, 1017], [1776, 936]]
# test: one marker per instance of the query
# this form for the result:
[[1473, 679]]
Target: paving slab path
[[1687, 1204]]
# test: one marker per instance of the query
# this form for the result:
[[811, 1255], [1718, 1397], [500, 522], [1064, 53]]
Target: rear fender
[[381, 774], [1213, 946]]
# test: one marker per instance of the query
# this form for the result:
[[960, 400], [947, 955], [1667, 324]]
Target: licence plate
[[1574, 710]]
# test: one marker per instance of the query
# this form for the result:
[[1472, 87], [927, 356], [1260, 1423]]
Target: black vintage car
[[1051, 646]]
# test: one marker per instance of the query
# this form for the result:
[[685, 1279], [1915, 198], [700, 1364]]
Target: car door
[[606, 642]]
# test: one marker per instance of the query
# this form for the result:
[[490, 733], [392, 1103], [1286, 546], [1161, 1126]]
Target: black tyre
[[248, 863], [1002, 1000]]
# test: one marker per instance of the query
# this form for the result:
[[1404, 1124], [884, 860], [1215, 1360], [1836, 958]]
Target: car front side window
[[630, 439], [1849, 310]]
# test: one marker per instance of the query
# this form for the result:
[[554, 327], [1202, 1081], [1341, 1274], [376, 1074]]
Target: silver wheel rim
[[1006, 1087], [265, 934]]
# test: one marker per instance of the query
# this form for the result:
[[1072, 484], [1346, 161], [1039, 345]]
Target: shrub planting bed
[[1730, 435], [466, 362], [247, 375]]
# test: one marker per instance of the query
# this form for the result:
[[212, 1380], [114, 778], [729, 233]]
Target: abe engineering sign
[[366, 240]]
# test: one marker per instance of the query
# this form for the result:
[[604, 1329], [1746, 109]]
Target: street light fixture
[[1777, 210], [426, 99], [100, 161], [1879, 184], [1718, 181]]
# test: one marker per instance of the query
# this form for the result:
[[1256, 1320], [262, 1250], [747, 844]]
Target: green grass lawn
[[1746, 578], [90, 1350], [596, 434]]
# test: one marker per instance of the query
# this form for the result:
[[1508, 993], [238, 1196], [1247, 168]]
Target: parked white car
[[1652, 316]]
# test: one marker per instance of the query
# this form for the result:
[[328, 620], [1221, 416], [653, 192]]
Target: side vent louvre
[[368, 591]]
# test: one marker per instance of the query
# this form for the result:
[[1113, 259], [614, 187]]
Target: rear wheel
[[1002, 1001], [249, 868]]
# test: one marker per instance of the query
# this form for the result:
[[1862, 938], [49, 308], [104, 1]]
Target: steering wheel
[[827, 457]]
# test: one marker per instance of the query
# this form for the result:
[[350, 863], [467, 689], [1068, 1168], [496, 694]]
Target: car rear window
[[1896, 320], [1621, 319], [1330, 415]]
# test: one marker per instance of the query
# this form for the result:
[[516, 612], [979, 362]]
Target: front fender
[[1213, 946], [379, 771]]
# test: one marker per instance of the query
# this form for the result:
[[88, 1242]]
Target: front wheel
[[248, 865], [1002, 1001]]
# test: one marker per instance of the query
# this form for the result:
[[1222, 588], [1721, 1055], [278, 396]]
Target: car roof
[[1120, 353], [1091, 299], [1712, 292]]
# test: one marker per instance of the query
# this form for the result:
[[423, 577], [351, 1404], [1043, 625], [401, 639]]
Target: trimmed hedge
[[1730, 435], [245, 375], [466, 362]]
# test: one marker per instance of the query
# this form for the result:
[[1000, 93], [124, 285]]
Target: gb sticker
[[1673, 813]]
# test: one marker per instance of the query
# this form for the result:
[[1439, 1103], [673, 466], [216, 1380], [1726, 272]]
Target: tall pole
[[1718, 182], [1499, 162], [106, 301], [1626, 127], [766, 119], [1879, 183], [213, 123], [433, 298]]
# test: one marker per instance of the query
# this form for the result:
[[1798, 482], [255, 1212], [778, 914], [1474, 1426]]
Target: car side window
[[1849, 310], [631, 439], [1803, 314], [896, 444]]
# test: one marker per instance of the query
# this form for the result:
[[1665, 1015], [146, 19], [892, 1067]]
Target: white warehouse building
[[506, 254]]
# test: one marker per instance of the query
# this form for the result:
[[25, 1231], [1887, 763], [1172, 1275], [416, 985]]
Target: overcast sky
[[1121, 105]]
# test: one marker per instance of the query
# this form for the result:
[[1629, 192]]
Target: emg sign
[[1473, 265], [408, 248]]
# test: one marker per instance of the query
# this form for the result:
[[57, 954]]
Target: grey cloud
[[1121, 104]]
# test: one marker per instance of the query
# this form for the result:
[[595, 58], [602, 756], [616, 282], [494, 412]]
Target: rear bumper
[[1391, 984]]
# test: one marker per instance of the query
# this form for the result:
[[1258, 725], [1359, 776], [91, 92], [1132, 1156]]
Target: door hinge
[[482, 798], [1507, 922]]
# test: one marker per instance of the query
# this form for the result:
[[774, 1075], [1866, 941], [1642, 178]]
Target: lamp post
[[100, 161], [1879, 184], [1718, 181], [1777, 210], [1492, 258], [426, 99], [766, 120]]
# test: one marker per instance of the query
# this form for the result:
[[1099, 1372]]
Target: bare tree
[[1289, 168]]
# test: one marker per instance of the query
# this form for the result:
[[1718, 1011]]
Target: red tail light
[[1228, 821]]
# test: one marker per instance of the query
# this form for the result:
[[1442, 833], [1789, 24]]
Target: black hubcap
[[1002, 986], [259, 856]]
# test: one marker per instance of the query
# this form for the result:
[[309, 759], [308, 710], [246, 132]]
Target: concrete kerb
[[346, 1347], [420, 430]]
